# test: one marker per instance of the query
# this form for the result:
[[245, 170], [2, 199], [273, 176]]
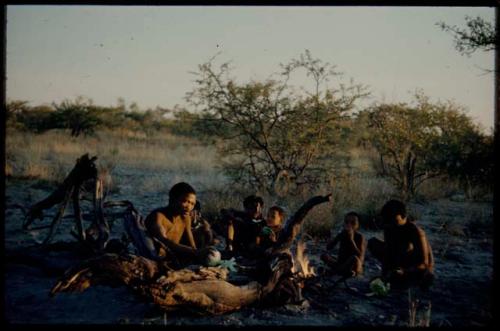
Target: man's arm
[[189, 232], [421, 247], [159, 232]]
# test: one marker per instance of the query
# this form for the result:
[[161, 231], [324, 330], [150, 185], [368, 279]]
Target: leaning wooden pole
[[84, 169]]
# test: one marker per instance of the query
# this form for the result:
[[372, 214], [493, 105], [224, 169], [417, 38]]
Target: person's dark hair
[[279, 210], [252, 200], [393, 208], [351, 213], [197, 205], [180, 190]]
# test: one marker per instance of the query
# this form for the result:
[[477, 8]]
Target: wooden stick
[[83, 170], [57, 219], [102, 224], [78, 213], [294, 223]]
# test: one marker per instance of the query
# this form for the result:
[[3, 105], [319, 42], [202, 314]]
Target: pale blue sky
[[145, 54]]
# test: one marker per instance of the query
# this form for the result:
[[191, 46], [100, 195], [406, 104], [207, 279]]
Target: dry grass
[[51, 155], [150, 165]]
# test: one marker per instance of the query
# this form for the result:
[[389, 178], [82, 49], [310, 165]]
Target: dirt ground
[[460, 233]]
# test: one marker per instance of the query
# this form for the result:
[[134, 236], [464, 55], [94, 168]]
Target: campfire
[[301, 265]]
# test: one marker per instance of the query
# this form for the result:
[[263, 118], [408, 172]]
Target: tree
[[80, 116], [414, 141], [479, 34], [13, 110], [466, 156], [272, 133]]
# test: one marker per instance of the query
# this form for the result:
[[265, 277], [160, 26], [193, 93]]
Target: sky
[[147, 54]]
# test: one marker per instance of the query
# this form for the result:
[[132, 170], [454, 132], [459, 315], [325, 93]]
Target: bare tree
[[271, 132]]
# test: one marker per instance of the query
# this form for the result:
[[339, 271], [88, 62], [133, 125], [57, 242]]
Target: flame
[[302, 261]]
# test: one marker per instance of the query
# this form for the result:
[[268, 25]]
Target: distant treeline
[[81, 116]]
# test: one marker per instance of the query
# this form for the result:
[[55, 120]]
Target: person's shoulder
[[415, 228], [160, 212], [359, 235]]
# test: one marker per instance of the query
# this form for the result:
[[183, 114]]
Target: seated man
[[244, 227], [167, 225], [405, 253], [351, 251]]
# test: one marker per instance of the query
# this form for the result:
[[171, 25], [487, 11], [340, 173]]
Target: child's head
[[275, 216], [253, 205], [351, 221]]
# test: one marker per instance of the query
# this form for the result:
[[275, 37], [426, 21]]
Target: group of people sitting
[[405, 253], [180, 234]]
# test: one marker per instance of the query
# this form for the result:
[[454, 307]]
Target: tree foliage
[[467, 156], [81, 116], [271, 132], [424, 140], [78, 116], [478, 34]]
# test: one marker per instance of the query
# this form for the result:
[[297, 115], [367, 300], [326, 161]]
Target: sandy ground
[[461, 295]]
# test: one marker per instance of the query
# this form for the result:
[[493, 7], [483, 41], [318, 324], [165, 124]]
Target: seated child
[[351, 254], [274, 224]]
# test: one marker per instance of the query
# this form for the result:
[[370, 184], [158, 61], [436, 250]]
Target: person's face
[[255, 210], [273, 218], [186, 204], [351, 223]]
